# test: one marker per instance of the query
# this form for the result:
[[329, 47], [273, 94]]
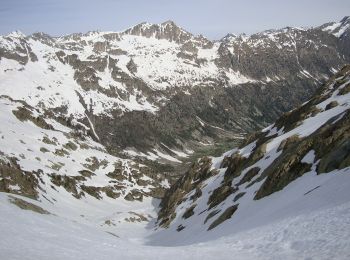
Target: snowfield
[[320, 234]]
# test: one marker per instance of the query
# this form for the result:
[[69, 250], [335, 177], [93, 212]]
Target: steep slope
[[299, 164], [341, 30], [56, 163], [263, 55], [140, 89]]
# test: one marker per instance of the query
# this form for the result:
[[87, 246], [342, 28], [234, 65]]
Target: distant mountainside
[[299, 164], [338, 29], [157, 92]]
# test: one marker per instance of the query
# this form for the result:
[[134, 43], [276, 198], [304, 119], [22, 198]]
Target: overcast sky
[[212, 18]]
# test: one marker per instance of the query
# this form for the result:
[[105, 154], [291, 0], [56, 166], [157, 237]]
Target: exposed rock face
[[27, 205], [195, 175], [261, 55], [219, 195], [14, 180], [189, 212], [331, 145], [167, 30], [224, 216]]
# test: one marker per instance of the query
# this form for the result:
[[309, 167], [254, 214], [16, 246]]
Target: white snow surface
[[25, 142], [319, 234]]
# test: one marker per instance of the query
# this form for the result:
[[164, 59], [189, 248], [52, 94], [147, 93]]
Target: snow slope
[[71, 175], [320, 234], [306, 195]]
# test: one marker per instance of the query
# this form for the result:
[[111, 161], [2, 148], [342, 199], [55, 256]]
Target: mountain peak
[[229, 37], [346, 19], [338, 29], [169, 22], [167, 30], [16, 34]]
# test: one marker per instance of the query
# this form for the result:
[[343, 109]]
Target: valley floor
[[322, 233]]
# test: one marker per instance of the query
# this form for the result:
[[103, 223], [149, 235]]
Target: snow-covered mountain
[[138, 90], [339, 29], [90, 123], [283, 194], [59, 164], [299, 164]]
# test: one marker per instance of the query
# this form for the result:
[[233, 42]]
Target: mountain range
[[139, 90], [154, 137]]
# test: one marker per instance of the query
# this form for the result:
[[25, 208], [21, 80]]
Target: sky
[[212, 18]]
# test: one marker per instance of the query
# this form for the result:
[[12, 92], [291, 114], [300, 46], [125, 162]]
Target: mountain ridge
[[344, 21]]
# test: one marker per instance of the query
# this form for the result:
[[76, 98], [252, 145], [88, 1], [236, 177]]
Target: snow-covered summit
[[168, 30], [16, 34], [229, 37]]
